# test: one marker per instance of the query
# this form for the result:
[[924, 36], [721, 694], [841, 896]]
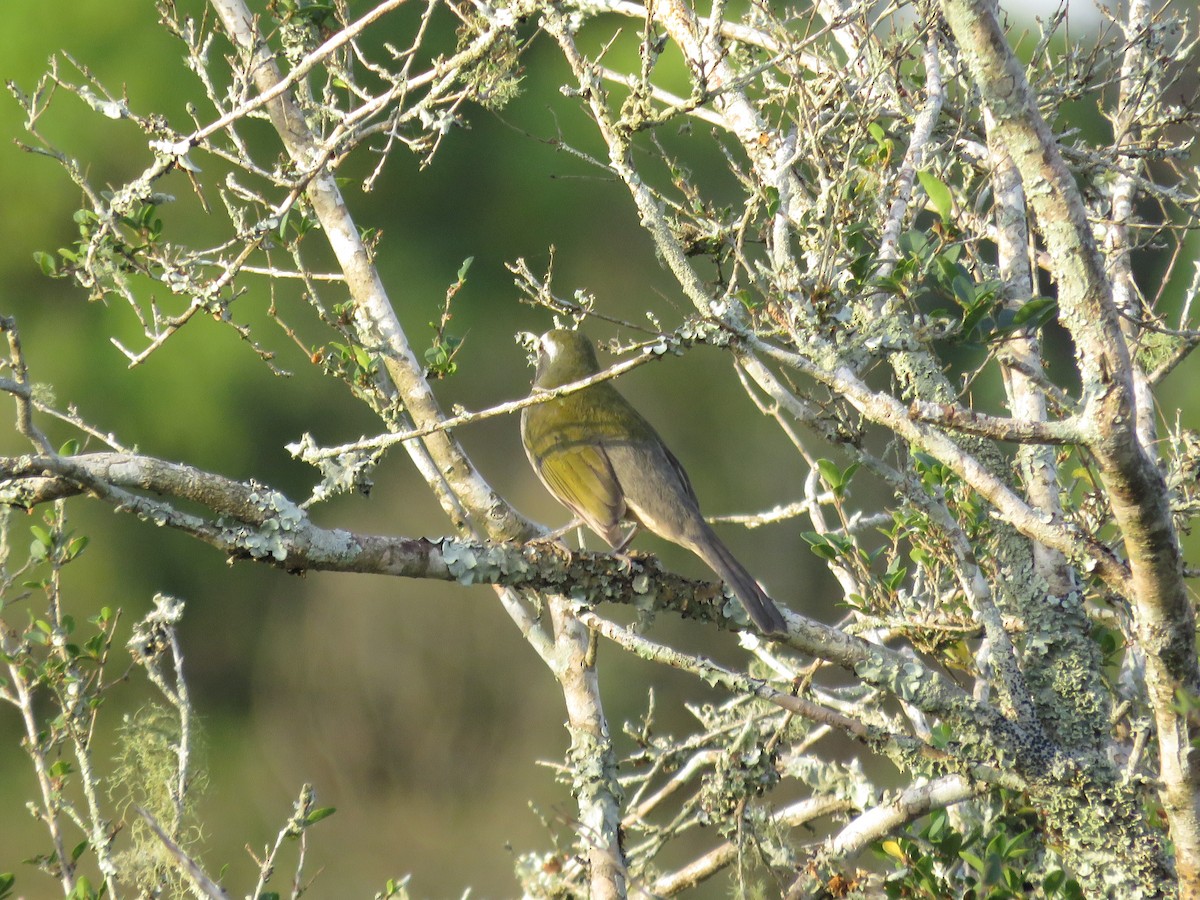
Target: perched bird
[[603, 461]]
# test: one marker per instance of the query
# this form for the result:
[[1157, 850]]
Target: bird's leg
[[620, 548], [557, 533]]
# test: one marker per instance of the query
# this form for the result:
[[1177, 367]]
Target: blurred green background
[[412, 707]]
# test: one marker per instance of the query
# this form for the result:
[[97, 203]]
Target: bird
[[602, 460]]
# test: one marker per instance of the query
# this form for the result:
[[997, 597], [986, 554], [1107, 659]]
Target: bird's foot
[[552, 543], [625, 561]]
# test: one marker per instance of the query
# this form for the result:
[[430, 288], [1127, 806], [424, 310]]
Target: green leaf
[[964, 290], [317, 815], [83, 890], [42, 536], [746, 299], [75, 547], [914, 243], [819, 545], [936, 827], [47, 262], [1036, 312], [772, 200], [7, 880], [834, 477], [462, 270], [939, 194], [830, 473], [94, 646], [972, 860]]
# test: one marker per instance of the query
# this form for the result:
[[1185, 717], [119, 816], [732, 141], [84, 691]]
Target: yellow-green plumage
[[602, 460]]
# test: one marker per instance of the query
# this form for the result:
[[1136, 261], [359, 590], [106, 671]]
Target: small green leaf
[[939, 194], [317, 815], [772, 200], [747, 300], [83, 890], [914, 243], [830, 473], [1054, 881], [937, 826], [964, 290], [820, 545], [972, 860], [47, 262], [462, 270], [1035, 312]]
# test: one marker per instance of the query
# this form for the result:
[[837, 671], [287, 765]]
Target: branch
[[251, 521], [1020, 431], [381, 442], [911, 803], [891, 413], [704, 867], [463, 493]]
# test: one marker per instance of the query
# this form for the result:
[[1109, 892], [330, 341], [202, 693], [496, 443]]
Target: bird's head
[[562, 357]]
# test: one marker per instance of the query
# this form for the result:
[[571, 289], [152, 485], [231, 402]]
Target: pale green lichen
[[281, 518], [489, 564], [340, 474]]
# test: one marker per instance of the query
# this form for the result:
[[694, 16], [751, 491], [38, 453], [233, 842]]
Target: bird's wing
[[679, 470], [581, 476]]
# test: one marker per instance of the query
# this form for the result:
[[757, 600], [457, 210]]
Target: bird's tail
[[761, 608]]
